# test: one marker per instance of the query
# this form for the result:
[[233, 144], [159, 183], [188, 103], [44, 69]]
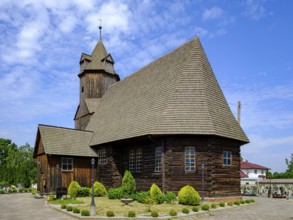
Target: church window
[[102, 159], [189, 159], [158, 158], [135, 160], [227, 158], [67, 164], [82, 89]]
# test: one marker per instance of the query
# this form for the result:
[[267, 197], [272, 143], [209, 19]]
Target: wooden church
[[168, 123]]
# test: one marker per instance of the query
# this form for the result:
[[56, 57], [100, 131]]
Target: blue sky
[[248, 43]]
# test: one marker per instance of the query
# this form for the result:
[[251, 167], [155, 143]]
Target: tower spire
[[100, 27]]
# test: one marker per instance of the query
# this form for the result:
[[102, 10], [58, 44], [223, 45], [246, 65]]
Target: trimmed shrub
[[214, 205], [247, 201], [185, 210], [34, 192], [128, 183], [154, 214], [141, 196], [205, 207], [110, 213], [172, 213], [236, 202], [2, 191], [242, 201], [131, 214], [73, 189], [63, 206], [170, 197], [222, 204], [230, 203], [156, 194], [69, 208], [195, 208], [99, 189], [85, 213], [83, 192], [21, 190], [76, 210], [252, 201], [188, 196], [115, 193]]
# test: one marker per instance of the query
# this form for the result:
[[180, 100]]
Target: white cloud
[[255, 10], [212, 13]]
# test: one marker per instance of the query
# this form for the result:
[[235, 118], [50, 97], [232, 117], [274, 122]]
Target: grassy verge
[[104, 204], [66, 201]]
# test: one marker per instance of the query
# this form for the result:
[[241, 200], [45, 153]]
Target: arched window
[[189, 159], [158, 158]]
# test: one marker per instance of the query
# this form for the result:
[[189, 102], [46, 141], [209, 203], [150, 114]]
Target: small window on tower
[[82, 89]]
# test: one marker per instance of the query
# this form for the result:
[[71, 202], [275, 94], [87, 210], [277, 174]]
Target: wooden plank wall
[[219, 180]]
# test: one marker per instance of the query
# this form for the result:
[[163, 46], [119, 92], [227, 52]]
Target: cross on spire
[[100, 27]]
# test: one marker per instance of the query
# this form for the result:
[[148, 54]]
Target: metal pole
[[93, 205], [202, 185]]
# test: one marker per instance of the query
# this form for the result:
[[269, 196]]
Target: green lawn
[[104, 204]]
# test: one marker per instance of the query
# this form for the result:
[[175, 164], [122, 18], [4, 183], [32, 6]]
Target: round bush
[[242, 201], [73, 189], [172, 213], [170, 197], [154, 214], [222, 204], [99, 189], [185, 210], [63, 206], [110, 213], [214, 205], [115, 193], [2, 191], [252, 201], [156, 194], [195, 208], [85, 213], [205, 207], [83, 192], [69, 208], [230, 203], [236, 203], [131, 214], [128, 183], [141, 196], [248, 201], [76, 210], [188, 196]]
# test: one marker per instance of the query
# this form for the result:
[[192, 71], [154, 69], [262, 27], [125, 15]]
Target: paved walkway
[[23, 206], [264, 208]]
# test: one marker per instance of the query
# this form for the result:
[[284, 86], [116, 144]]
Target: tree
[[17, 165], [289, 164]]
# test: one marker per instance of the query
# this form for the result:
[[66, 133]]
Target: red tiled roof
[[243, 175], [248, 165]]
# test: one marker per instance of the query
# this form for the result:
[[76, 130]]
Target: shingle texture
[[176, 94], [64, 141]]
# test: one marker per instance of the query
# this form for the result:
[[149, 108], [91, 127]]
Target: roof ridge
[[55, 126]]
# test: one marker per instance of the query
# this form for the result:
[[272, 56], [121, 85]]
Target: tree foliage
[[128, 183], [283, 175], [17, 165]]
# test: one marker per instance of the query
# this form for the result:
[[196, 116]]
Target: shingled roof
[[176, 94], [65, 141]]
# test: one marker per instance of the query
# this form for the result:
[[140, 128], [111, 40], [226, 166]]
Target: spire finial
[[100, 27]]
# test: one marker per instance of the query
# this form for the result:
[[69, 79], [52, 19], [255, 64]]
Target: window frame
[[135, 160], [67, 164], [189, 159], [158, 159], [102, 156], [227, 160]]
